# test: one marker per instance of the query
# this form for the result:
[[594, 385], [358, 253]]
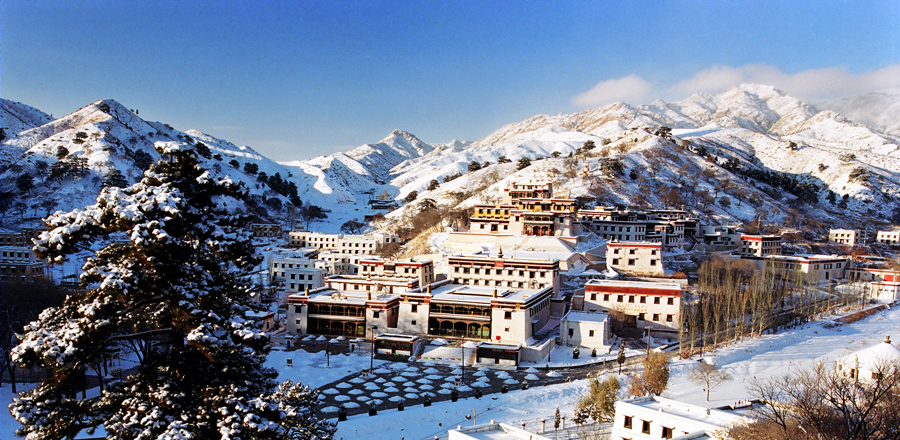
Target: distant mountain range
[[747, 152]]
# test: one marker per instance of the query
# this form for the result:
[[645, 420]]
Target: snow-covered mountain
[[733, 155], [879, 110]]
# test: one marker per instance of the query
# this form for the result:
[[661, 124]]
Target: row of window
[[632, 262], [642, 299], [633, 251], [509, 272], [499, 283], [645, 427]]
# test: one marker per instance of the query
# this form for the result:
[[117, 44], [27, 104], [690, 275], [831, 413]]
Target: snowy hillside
[[879, 110], [750, 151]]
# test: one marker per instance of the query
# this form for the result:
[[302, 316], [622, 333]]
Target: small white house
[[655, 418], [584, 329], [864, 364]]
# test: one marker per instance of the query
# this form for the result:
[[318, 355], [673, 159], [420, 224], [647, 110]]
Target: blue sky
[[298, 79]]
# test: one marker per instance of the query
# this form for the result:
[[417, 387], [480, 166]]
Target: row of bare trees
[[738, 298]]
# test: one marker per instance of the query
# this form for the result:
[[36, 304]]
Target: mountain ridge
[[750, 126]]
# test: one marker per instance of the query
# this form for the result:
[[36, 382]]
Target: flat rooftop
[[481, 294], [575, 315], [712, 417]]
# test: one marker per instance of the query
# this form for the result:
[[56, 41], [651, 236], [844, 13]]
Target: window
[[642, 299], [615, 261], [506, 329], [593, 297], [590, 333], [632, 262], [605, 297], [414, 308], [666, 432], [671, 301], [653, 262], [645, 427], [571, 332], [631, 252], [640, 317], [507, 315], [413, 322], [631, 298], [375, 314], [620, 298], [656, 317], [670, 318], [627, 423]]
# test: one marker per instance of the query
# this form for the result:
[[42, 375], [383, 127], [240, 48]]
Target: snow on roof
[[874, 356], [708, 419], [575, 315]]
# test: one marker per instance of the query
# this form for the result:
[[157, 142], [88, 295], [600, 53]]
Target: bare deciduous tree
[[708, 375]]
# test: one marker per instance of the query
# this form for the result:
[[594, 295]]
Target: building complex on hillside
[[508, 304], [339, 252]]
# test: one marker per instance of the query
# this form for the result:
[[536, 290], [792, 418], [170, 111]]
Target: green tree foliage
[[588, 145], [251, 168], [312, 212], [655, 377], [411, 197], [183, 282], [203, 150], [503, 159], [612, 167], [427, 204], [61, 152], [142, 160], [555, 154], [114, 178], [599, 404], [433, 185], [664, 132], [352, 227], [474, 166], [523, 163], [450, 177], [25, 183], [234, 163]]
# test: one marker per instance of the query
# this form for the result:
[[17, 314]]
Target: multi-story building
[[888, 237], [635, 257], [527, 209], [849, 237], [513, 273], [266, 230], [716, 235], [644, 304], [295, 274], [760, 245], [341, 253], [669, 227], [653, 418], [816, 267], [392, 300], [20, 262]]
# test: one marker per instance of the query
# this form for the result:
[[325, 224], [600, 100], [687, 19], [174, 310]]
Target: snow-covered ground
[[763, 357]]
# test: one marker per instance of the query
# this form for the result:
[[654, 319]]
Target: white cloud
[[813, 84], [631, 89]]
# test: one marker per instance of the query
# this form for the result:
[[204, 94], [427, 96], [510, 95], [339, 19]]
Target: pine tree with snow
[[181, 283]]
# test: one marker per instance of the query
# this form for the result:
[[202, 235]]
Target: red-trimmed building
[[760, 245], [644, 304], [640, 257]]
